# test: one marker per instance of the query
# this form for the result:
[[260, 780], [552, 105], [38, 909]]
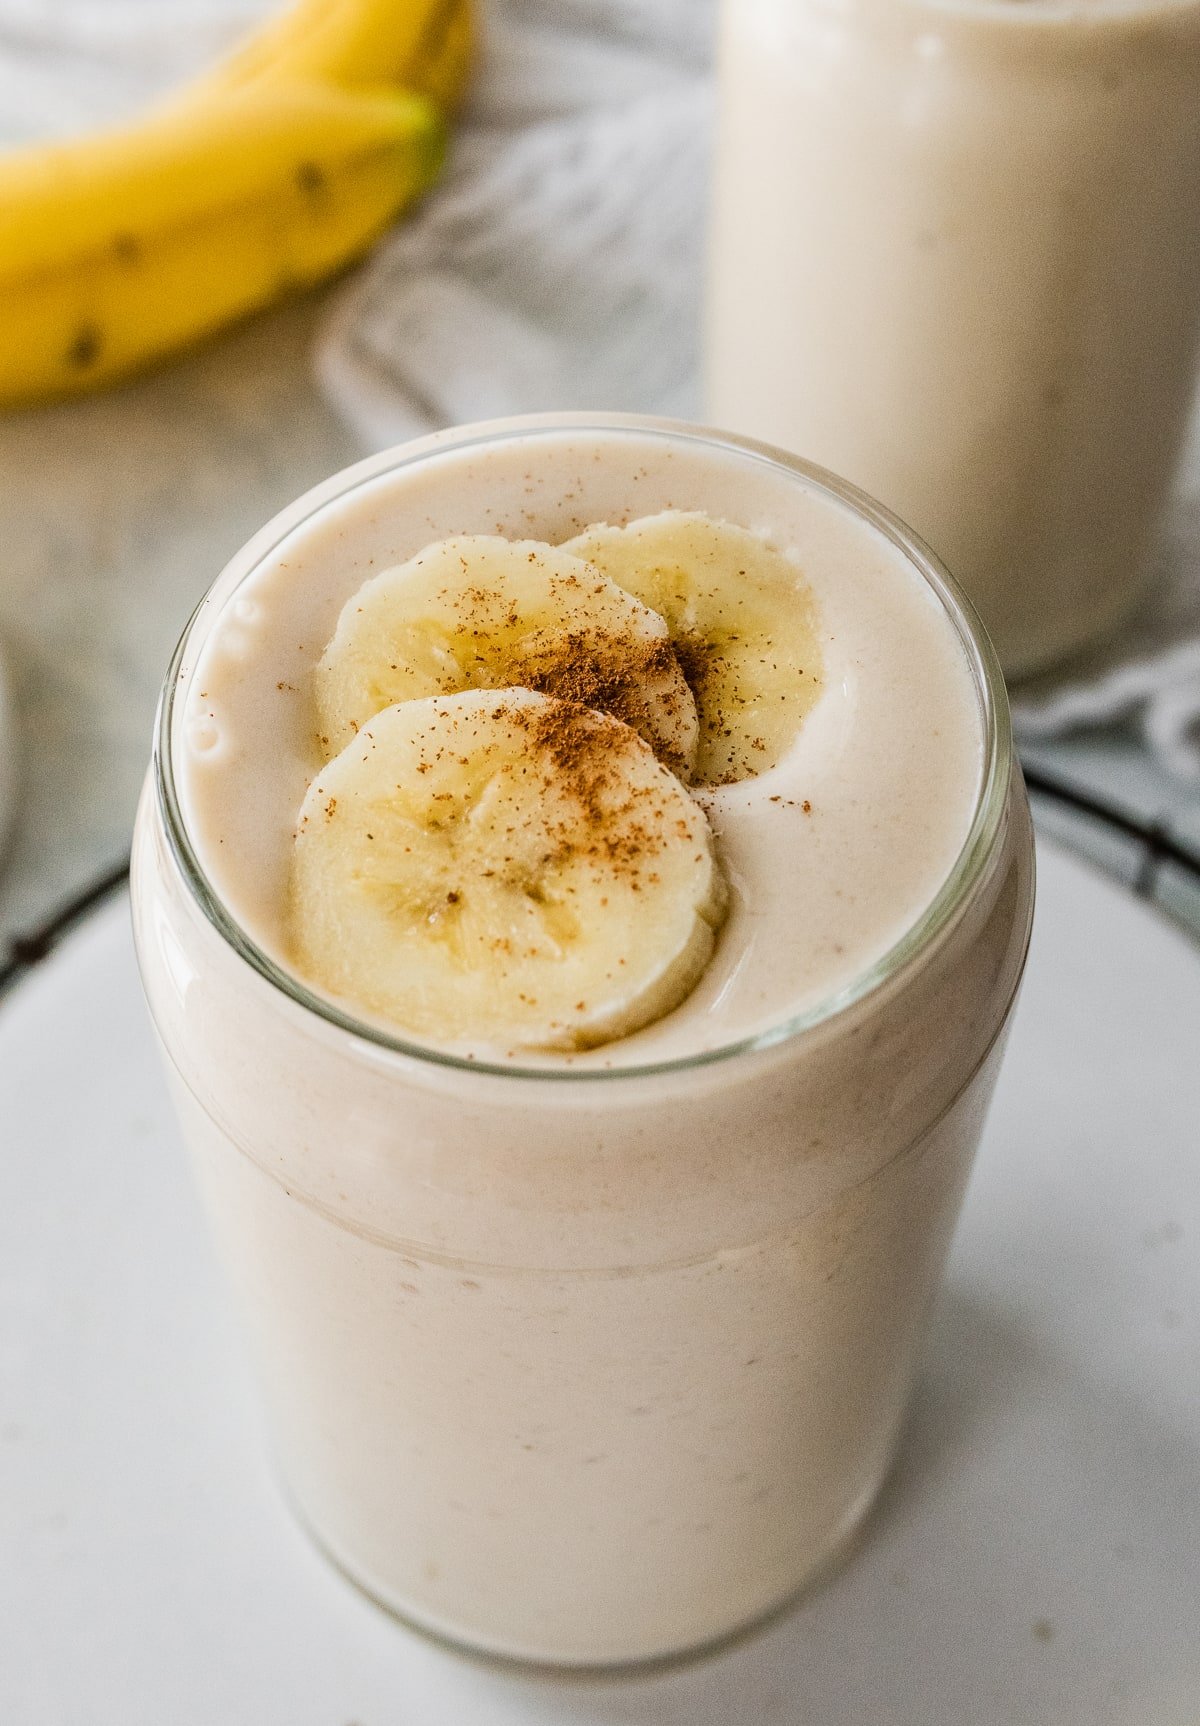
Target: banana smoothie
[[581, 890], [955, 257]]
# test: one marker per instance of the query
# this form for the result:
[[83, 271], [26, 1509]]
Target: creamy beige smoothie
[[954, 256], [595, 1353]]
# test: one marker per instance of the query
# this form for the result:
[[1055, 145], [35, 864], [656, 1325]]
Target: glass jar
[[592, 1364], [955, 257]]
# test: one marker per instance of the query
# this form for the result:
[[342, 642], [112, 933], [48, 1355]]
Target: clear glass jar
[[954, 256], [584, 1365]]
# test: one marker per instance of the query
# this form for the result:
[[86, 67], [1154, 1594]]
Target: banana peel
[[427, 47], [262, 178]]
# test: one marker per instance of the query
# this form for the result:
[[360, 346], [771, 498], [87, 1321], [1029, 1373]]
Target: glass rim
[[940, 913]]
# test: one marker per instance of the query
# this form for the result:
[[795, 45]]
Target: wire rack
[[1152, 860]]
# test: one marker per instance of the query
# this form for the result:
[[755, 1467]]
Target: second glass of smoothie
[[596, 1352], [954, 255]]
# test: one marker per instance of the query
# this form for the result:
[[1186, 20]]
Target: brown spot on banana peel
[[86, 347], [311, 178]]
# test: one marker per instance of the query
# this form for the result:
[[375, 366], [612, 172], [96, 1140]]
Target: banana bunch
[[264, 176], [501, 845]]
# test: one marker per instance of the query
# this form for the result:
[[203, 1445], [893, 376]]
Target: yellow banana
[[118, 249], [425, 45]]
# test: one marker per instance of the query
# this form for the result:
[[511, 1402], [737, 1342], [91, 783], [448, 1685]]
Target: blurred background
[[556, 259], [557, 262]]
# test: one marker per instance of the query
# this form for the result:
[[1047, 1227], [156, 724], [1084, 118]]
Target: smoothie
[[954, 257], [595, 1353]]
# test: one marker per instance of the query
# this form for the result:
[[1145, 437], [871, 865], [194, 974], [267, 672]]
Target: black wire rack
[[1153, 861], [1148, 855], [24, 952]]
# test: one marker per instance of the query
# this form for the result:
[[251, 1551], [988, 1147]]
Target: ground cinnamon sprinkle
[[695, 656], [621, 825], [610, 674], [636, 680], [599, 671]]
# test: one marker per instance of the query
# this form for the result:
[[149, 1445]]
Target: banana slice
[[744, 624], [506, 868], [480, 612]]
